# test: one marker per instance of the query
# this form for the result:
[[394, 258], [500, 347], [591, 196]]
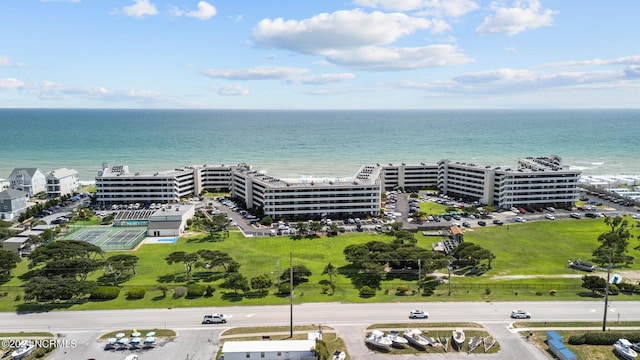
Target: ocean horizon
[[314, 143]]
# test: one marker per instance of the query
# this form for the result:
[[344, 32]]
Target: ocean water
[[314, 143]]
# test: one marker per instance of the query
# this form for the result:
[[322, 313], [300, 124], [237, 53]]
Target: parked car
[[418, 314], [498, 222], [521, 219], [549, 217], [575, 215], [482, 223]]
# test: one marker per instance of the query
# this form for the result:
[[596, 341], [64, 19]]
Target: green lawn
[[534, 248]]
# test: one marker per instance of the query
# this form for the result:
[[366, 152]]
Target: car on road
[[520, 314], [418, 314], [214, 319], [575, 215], [549, 217], [498, 222], [482, 223], [466, 224], [521, 219]]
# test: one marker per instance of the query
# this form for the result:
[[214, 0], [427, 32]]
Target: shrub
[[538, 293], [195, 290], [283, 289], [18, 297], [428, 291], [164, 289], [180, 291], [553, 292], [104, 293], [136, 293], [209, 291], [367, 291], [402, 290], [487, 291]]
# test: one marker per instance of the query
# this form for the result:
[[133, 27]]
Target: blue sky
[[322, 54]]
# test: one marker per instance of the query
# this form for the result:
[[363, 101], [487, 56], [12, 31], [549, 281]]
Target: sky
[[320, 54]]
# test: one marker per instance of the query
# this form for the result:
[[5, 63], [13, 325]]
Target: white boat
[[396, 339], [415, 338], [458, 339], [25, 348], [378, 340], [338, 355], [622, 347]]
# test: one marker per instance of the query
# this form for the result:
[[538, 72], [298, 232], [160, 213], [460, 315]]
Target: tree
[[301, 228], [614, 243], [593, 283], [261, 282], [119, 265], [266, 221], [315, 226], [236, 282], [44, 289], [214, 258], [8, 260], [189, 259], [330, 270], [64, 249], [300, 274]]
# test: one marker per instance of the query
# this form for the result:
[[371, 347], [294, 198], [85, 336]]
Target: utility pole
[[419, 273], [606, 292], [291, 294]]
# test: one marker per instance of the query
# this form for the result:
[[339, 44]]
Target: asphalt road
[[197, 341]]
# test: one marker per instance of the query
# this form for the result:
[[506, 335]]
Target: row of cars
[[515, 314]]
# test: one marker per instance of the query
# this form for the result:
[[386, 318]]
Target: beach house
[[13, 203], [30, 180]]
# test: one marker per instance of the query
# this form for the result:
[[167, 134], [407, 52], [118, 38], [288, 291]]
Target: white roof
[[270, 345]]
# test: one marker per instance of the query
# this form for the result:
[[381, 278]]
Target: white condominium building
[[541, 181], [62, 182], [304, 198], [537, 182]]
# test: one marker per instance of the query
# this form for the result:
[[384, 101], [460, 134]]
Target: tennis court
[[108, 238]]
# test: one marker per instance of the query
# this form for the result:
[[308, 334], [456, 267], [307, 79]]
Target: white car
[[521, 219], [549, 217], [214, 319], [520, 314], [418, 314]]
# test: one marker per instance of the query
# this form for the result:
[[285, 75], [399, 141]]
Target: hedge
[[104, 293], [604, 338]]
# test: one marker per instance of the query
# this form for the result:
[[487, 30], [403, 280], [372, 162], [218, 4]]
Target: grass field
[[539, 249]]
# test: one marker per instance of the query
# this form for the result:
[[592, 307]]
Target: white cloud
[[6, 61], [47, 90], [343, 29], [438, 8], [355, 39], [11, 84], [387, 59], [255, 73], [625, 60], [512, 81], [322, 79], [205, 11], [231, 90], [525, 15], [140, 8]]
